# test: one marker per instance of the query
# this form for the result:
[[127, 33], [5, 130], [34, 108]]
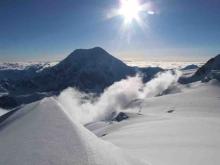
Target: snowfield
[[177, 129]]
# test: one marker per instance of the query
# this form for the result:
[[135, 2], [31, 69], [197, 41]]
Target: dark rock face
[[121, 116], [149, 72], [212, 65], [208, 71], [7, 102]]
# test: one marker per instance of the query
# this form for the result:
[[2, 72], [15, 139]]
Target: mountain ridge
[[210, 70]]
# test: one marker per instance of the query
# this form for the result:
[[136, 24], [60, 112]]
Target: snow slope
[[177, 129], [2, 112], [42, 133]]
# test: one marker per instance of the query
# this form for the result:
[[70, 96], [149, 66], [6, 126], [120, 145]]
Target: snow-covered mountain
[[88, 70], [210, 70], [22, 70]]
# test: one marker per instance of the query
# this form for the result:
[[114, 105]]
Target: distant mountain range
[[88, 70], [189, 67]]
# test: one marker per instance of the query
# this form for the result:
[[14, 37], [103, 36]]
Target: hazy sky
[[51, 29]]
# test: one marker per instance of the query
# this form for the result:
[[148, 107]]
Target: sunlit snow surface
[[177, 129]]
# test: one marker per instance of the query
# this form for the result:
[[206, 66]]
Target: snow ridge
[[42, 133]]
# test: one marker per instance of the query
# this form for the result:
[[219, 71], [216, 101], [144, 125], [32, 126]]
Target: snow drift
[[116, 98], [42, 133]]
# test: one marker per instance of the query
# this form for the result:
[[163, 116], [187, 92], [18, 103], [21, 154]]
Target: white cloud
[[115, 98]]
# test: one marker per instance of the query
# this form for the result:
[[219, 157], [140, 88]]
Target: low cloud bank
[[115, 98]]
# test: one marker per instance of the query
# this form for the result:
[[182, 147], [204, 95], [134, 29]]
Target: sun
[[130, 10]]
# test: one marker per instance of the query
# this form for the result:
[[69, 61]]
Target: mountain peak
[[91, 49], [95, 50], [90, 70], [96, 55]]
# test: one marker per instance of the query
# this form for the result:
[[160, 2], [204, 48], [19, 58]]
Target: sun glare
[[130, 10]]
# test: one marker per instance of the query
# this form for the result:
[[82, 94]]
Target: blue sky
[[51, 29]]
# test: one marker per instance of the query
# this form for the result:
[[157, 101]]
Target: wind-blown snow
[[115, 98]]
